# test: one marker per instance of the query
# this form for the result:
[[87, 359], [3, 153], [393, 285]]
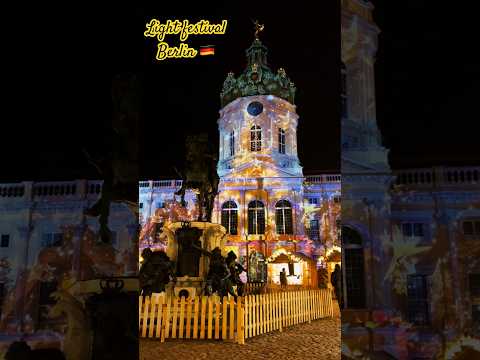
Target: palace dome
[[257, 78]]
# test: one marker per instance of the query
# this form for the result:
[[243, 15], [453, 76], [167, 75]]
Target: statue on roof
[[258, 28]]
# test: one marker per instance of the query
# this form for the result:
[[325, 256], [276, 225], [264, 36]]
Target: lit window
[[256, 217], [314, 230], [283, 217], [281, 141], [232, 143], [230, 217], [256, 138]]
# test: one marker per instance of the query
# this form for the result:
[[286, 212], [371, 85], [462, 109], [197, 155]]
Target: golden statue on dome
[[258, 28]]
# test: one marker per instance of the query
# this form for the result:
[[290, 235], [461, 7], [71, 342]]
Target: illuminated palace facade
[[275, 216], [410, 237], [47, 242]]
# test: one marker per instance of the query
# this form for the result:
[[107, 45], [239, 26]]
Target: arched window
[[256, 138], [230, 217], [281, 141], [232, 143], [256, 217], [343, 90], [283, 217], [353, 272]]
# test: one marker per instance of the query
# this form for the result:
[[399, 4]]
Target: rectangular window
[[414, 230], [5, 241], [256, 221], [313, 200], [232, 143], [314, 230], [281, 141], [417, 299], [474, 285], [471, 228], [52, 240], [256, 139], [141, 206], [407, 230], [113, 237], [2, 296]]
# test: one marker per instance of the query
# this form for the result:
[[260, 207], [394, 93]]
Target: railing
[[208, 318], [12, 190], [323, 179], [160, 184], [439, 176]]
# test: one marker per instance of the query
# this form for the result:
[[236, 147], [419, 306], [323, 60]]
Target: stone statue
[[119, 166], [219, 276], [200, 174], [235, 269], [229, 83], [78, 339], [156, 271]]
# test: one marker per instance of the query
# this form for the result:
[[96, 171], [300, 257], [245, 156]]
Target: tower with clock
[[258, 121]]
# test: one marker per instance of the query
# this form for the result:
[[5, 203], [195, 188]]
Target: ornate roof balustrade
[[437, 177]]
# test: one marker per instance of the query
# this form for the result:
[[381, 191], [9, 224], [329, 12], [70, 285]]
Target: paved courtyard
[[318, 340]]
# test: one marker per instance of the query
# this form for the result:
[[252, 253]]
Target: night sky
[[58, 65], [428, 80]]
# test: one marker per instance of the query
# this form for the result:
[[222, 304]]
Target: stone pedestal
[[213, 235]]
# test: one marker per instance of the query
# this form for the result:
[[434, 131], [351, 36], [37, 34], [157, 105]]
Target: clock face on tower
[[255, 108]]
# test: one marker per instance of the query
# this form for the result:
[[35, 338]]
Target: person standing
[[283, 278], [336, 281]]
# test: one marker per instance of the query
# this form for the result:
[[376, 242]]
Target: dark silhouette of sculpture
[[200, 174], [114, 325], [119, 166], [20, 350], [235, 269], [189, 250], [156, 272], [219, 276]]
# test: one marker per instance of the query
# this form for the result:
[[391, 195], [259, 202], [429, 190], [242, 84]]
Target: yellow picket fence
[[167, 317]]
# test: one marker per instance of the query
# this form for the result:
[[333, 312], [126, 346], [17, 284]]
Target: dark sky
[[428, 80], [183, 95], [60, 63]]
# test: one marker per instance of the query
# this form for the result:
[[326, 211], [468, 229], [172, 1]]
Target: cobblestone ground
[[318, 340]]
